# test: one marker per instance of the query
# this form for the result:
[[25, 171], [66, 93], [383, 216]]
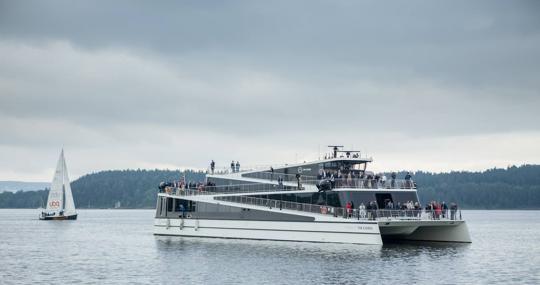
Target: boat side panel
[[356, 233]]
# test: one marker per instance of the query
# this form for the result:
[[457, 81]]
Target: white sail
[[55, 201], [69, 205]]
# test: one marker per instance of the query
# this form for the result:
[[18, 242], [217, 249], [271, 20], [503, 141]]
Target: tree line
[[132, 188], [510, 188]]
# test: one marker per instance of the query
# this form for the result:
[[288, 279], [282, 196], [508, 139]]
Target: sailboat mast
[[63, 182]]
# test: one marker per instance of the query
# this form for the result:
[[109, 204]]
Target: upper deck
[[341, 172]]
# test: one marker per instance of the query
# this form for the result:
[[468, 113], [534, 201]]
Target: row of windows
[[331, 198]]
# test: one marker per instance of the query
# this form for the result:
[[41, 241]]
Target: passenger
[[428, 210], [453, 210], [182, 211], [377, 180], [366, 181], [408, 183], [369, 209], [444, 210], [212, 166], [237, 166], [232, 166], [383, 181], [438, 211], [417, 209], [410, 208], [362, 211], [393, 181], [348, 206]]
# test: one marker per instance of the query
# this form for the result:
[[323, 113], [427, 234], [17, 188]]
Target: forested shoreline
[[509, 188]]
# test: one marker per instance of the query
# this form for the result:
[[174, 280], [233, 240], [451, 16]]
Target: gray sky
[[432, 85]]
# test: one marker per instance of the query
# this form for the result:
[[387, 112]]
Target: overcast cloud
[[432, 85]]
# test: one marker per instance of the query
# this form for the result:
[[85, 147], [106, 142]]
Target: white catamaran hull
[[330, 232]]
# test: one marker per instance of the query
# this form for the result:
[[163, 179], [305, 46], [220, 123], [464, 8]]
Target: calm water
[[117, 246]]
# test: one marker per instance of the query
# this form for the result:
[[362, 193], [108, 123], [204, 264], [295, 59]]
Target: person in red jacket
[[349, 209]]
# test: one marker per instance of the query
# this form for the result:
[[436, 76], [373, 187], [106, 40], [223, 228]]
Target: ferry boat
[[332, 200]]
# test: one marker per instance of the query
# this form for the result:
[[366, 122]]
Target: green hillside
[[133, 188], [510, 188]]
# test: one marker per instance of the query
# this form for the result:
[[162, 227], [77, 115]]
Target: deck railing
[[227, 189], [359, 213], [369, 183], [273, 176], [356, 183]]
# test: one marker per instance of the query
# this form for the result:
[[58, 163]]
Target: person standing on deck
[[362, 211], [212, 166], [232, 166], [182, 210], [348, 206], [408, 183], [453, 210], [444, 210], [237, 166]]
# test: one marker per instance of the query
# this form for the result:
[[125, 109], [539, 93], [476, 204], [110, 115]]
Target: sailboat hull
[[72, 217]]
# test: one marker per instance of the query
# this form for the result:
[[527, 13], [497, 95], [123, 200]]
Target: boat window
[[169, 204], [181, 202], [161, 202], [383, 199]]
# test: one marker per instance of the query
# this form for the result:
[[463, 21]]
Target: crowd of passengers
[[166, 187], [433, 210], [364, 179]]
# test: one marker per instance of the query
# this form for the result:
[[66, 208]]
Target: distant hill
[[510, 188], [133, 188], [14, 186]]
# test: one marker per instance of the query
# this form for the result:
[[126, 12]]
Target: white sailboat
[[60, 205]]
